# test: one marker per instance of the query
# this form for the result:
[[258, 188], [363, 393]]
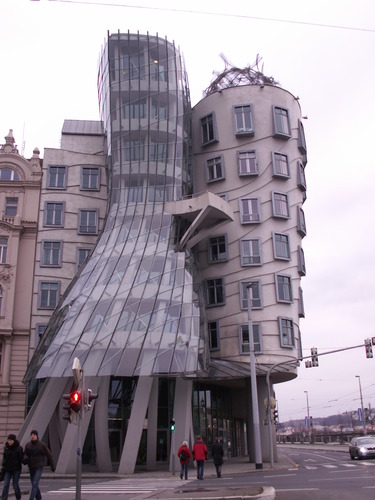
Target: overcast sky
[[321, 51]]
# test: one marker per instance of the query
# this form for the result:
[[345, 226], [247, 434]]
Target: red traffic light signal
[[76, 401]]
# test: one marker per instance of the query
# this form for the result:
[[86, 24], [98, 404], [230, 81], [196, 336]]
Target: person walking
[[12, 466], [200, 455], [217, 452], [34, 456], [184, 455]]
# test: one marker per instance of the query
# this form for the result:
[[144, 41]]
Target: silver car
[[362, 447]]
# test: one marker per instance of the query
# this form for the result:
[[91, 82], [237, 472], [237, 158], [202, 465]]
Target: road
[[317, 475]]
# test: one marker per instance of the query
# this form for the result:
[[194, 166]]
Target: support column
[[182, 413], [152, 425], [135, 426]]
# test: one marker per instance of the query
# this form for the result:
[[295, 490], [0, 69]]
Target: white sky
[[49, 54]]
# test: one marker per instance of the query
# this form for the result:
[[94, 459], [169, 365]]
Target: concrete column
[[135, 426], [152, 425]]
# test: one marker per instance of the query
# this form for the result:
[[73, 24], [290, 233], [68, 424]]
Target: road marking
[[329, 466], [312, 467]]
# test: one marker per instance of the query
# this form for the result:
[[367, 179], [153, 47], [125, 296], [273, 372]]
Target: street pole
[[308, 415], [254, 388], [362, 409]]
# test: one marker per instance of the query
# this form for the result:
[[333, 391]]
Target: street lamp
[[360, 393], [254, 389], [308, 415]]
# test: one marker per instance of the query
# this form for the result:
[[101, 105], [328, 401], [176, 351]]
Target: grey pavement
[[177, 490]]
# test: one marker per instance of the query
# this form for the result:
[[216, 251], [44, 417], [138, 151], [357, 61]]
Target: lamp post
[[362, 409], [254, 389], [308, 415]]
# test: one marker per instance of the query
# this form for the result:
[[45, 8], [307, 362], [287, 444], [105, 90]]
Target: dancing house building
[[201, 203]]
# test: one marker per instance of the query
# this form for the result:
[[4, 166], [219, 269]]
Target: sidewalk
[[203, 490]]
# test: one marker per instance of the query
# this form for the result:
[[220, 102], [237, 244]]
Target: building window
[[133, 150], [283, 288], [249, 210], [7, 174], [158, 151], [1, 300], [217, 249], [280, 205], [90, 178], [48, 294], [301, 306], [51, 253], [301, 261], [215, 292], [54, 214], [247, 163], [281, 122], [301, 178], [301, 138], [82, 254], [88, 221], [214, 169], [280, 165], [286, 331], [255, 294], [245, 341], [208, 132], [134, 110], [39, 331], [243, 120], [251, 252], [301, 223], [281, 248], [3, 249], [214, 335], [11, 206], [56, 178], [1, 356]]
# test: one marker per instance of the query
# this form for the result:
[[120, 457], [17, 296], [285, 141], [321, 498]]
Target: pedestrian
[[217, 452], [12, 466], [200, 455], [184, 455], [34, 456]]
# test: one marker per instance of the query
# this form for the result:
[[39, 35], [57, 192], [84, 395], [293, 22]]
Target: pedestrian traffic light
[[173, 423], [368, 348], [89, 397], [314, 356]]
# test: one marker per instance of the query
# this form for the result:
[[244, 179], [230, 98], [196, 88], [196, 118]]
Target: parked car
[[362, 447]]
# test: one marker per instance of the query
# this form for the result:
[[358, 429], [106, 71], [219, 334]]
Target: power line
[[219, 14]]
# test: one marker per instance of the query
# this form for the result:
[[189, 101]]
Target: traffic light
[[68, 414], [89, 397], [368, 348], [76, 401], [275, 416], [173, 424], [314, 356]]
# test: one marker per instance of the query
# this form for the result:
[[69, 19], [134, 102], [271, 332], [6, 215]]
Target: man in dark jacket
[[217, 454], [200, 455], [11, 466], [36, 452]]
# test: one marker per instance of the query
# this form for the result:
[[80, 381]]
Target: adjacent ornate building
[[202, 203], [20, 181]]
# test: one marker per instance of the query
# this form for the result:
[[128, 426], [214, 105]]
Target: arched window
[[7, 174]]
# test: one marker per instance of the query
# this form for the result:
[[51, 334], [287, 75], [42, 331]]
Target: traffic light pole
[[79, 461], [290, 363]]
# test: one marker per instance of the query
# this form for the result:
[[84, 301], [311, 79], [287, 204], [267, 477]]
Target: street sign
[[360, 416]]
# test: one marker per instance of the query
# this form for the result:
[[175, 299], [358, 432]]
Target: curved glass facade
[[133, 310]]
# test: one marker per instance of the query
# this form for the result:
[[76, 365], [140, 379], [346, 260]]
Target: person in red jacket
[[184, 455], [200, 455]]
